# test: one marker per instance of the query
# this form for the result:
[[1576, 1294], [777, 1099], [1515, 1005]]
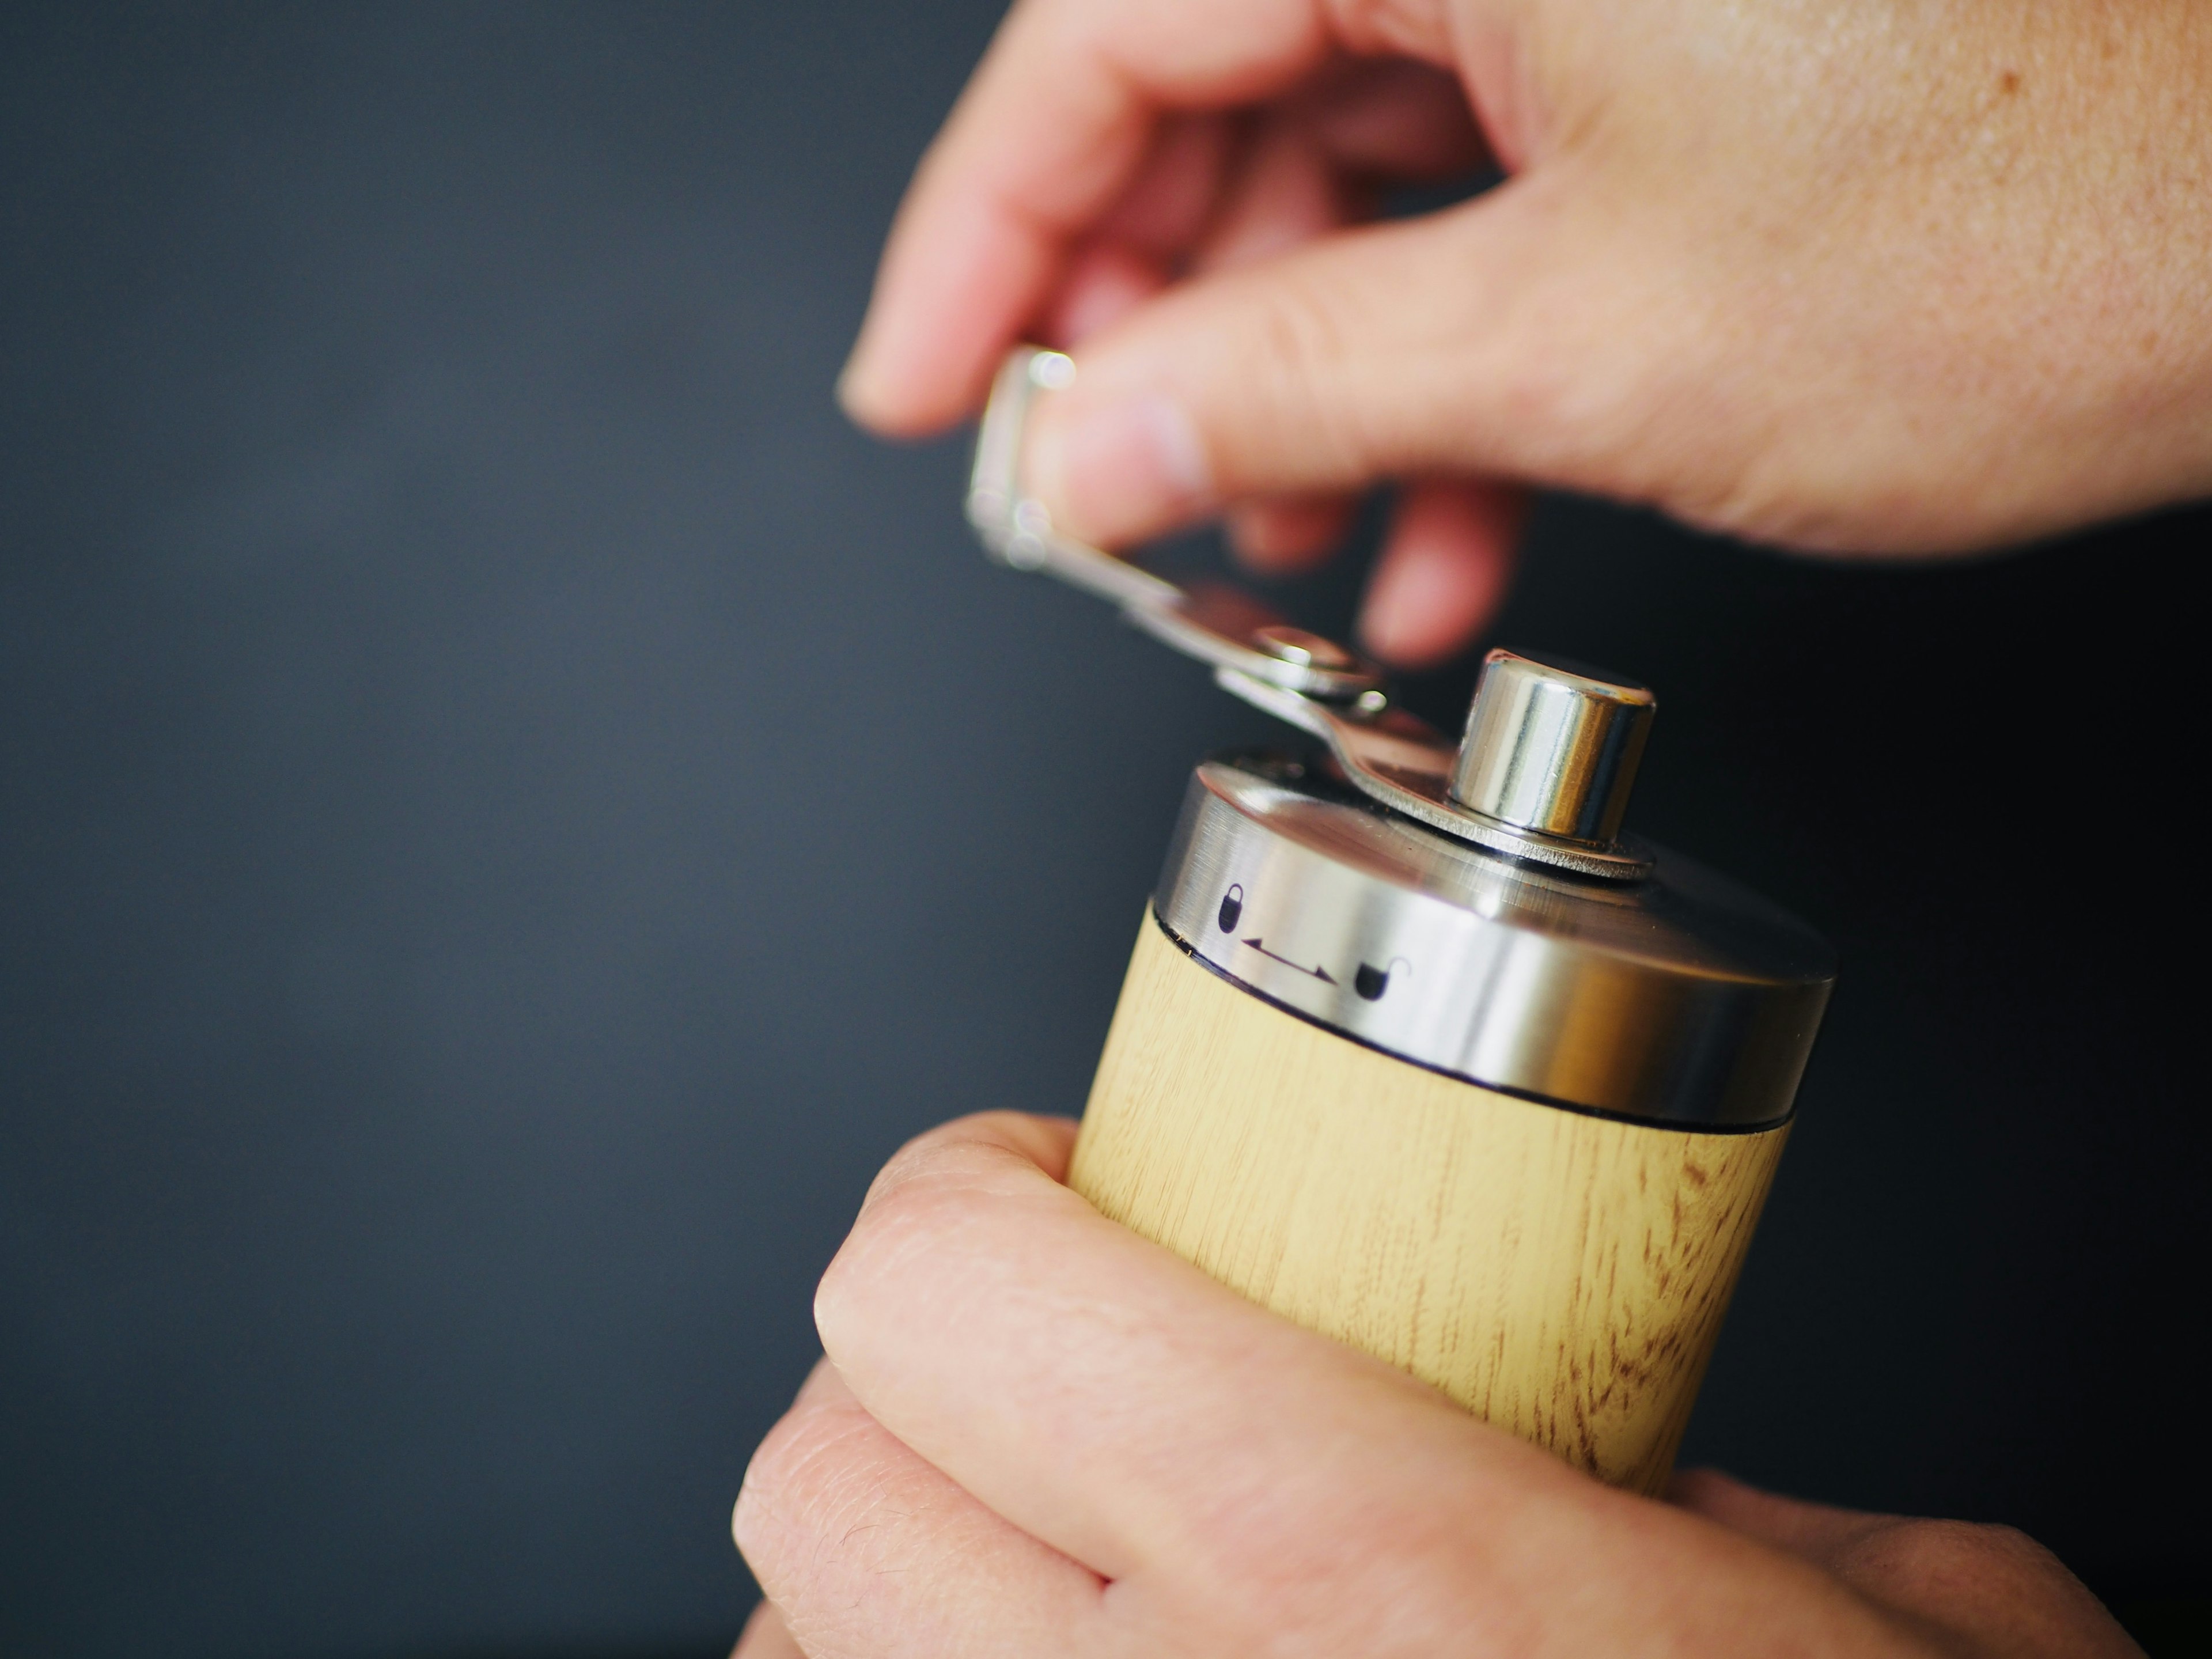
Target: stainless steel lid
[[1679, 999]]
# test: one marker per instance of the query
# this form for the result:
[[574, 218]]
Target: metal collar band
[[1681, 999]]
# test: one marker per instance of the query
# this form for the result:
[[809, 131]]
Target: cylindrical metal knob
[[1551, 749]]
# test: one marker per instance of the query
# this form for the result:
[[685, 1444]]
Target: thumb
[[1494, 338]]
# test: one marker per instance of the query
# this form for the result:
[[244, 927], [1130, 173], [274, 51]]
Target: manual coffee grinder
[[1418, 1048]]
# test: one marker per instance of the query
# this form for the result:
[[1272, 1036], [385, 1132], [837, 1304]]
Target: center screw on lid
[[1553, 749]]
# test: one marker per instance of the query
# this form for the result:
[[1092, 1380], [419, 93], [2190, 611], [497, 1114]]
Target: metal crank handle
[[1301, 678], [1213, 622]]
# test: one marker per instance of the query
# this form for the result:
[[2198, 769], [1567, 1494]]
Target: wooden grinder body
[[1559, 1274]]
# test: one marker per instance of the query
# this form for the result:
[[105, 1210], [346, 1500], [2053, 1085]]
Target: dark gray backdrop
[[512, 810]]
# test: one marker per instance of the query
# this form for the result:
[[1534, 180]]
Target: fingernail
[[1118, 468]]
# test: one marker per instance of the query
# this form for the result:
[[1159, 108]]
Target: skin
[[1888, 277], [1035, 1433], [1884, 276]]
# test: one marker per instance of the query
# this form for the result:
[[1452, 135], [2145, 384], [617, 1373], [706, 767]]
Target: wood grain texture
[[1561, 1275]]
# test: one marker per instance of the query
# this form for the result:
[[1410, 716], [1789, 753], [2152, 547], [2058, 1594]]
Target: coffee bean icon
[[1371, 981]]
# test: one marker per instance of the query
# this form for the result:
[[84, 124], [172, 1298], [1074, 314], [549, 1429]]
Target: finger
[[1280, 535], [1105, 282], [1995, 1588], [1444, 569], [1166, 206], [864, 1548], [1112, 1401], [1508, 336], [1302, 167], [1204, 198], [1815, 1531], [1129, 254], [1284, 193], [1384, 120], [766, 1636], [1055, 123], [1285, 188], [1395, 119]]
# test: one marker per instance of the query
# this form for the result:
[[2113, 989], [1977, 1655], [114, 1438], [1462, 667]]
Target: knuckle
[[929, 1156], [958, 1152], [1302, 346], [856, 1276], [936, 1197], [921, 1200], [794, 1484], [1301, 336]]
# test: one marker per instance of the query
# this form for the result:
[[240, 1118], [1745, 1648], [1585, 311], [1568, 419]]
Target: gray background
[[512, 810]]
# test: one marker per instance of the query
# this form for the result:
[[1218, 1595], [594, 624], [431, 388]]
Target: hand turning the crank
[[1845, 276]]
